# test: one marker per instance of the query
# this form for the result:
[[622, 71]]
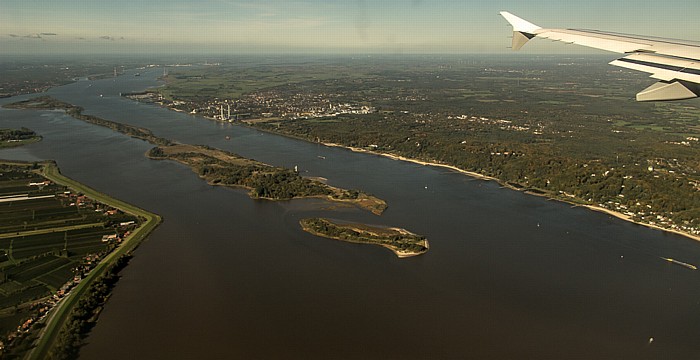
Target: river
[[508, 275]]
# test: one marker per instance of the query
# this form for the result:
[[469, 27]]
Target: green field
[[225, 83]]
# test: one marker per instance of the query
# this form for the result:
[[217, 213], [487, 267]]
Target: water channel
[[508, 275]]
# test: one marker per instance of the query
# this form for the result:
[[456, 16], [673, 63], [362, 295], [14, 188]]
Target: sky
[[319, 26]]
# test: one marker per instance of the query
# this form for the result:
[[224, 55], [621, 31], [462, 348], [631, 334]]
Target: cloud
[[32, 36], [111, 38]]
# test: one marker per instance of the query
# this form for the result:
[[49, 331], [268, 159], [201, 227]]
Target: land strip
[[49, 103], [220, 167], [400, 241], [57, 319], [17, 137], [264, 181], [52, 244]]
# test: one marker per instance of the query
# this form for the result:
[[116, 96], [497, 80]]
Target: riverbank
[[628, 218], [14, 143], [251, 124], [57, 320], [415, 161], [49, 103], [613, 213]]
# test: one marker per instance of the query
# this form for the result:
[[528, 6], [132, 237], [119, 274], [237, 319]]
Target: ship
[[689, 266]]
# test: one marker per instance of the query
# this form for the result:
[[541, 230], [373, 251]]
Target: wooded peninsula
[[264, 181], [220, 167]]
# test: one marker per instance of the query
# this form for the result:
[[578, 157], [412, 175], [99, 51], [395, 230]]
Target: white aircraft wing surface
[[676, 63]]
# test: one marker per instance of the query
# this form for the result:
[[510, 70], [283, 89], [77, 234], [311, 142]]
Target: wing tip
[[519, 24], [667, 91]]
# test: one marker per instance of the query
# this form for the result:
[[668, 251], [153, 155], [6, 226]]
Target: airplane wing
[[676, 63]]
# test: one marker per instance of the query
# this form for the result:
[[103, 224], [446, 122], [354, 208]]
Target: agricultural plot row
[[33, 269], [13, 175], [57, 278], [29, 294], [35, 245], [27, 219]]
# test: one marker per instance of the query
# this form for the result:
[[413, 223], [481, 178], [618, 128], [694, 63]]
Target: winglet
[[522, 29], [520, 25], [665, 91]]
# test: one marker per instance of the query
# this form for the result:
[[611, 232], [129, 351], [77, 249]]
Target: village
[[260, 105]]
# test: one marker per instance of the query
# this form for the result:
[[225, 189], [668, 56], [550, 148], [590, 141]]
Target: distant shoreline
[[248, 123], [361, 199], [484, 177]]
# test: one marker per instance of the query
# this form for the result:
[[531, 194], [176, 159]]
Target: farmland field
[[50, 236]]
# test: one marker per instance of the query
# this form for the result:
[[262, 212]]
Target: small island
[[402, 242], [17, 137]]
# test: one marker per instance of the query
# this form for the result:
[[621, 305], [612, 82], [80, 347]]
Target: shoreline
[[14, 144], [247, 123], [59, 315], [366, 201], [613, 213], [363, 200], [361, 229], [627, 218]]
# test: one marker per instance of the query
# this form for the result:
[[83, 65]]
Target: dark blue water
[[508, 275]]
